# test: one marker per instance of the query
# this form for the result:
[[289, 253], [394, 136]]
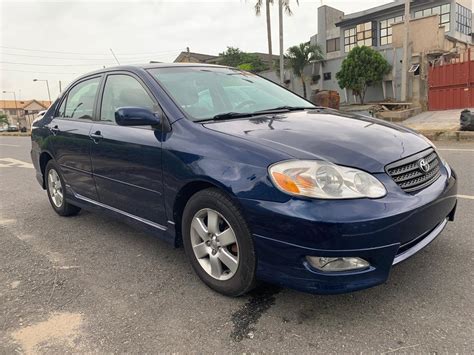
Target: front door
[[71, 143], [126, 161]]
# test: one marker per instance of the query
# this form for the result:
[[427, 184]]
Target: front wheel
[[218, 243], [56, 190]]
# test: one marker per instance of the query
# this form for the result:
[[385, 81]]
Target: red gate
[[451, 85]]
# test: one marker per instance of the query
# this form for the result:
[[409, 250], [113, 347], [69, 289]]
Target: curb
[[459, 136]]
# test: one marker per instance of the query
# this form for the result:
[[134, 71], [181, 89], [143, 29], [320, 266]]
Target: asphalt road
[[91, 283]]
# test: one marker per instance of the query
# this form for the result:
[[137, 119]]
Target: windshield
[[205, 92]]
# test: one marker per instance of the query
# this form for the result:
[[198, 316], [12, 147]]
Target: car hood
[[345, 139]]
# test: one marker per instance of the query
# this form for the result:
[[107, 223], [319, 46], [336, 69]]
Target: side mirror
[[136, 116]]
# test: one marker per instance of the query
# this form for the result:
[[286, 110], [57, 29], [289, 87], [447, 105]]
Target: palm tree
[[258, 11], [302, 55]]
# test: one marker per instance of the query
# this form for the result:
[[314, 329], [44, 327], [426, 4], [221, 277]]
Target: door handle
[[54, 130], [96, 136]]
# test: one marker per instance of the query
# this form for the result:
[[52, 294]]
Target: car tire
[[56, 189], [201, 209]]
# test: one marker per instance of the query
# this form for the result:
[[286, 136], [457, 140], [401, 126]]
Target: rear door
[[126, 161], [70, 136]]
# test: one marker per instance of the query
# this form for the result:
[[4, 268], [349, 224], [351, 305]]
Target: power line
[[38, 72], [75, 58], [77, 53], [39, 56], [55, 65]]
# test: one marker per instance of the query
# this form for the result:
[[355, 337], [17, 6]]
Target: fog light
[[344, 263]]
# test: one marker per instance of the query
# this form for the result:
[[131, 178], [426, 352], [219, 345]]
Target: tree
[[363, 67], [300, 56], [234, 57], [3, 119], [258, 11]]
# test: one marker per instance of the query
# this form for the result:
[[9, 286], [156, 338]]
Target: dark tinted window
[[80, 100], [332, 45], [120, 91]]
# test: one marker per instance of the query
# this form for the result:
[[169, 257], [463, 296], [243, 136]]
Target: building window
[[327, 76], [332, 45], [361, 35], [443, 11], [364, 34], [386, 29], [463, 19], [349, 39]]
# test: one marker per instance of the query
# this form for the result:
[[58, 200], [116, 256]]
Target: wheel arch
[[44, 158], [182, 198]]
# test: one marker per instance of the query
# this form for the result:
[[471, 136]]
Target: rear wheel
[[218, 243], [56, 190]]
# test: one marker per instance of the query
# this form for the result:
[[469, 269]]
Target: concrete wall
[[389, 89], [327, 19], [425, 34], [294, 84]]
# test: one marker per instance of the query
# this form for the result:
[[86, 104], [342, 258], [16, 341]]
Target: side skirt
[[165, 233]]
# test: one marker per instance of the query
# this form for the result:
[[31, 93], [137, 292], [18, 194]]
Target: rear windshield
[[204, 92]]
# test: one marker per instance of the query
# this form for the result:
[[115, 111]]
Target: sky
[[61, 40]]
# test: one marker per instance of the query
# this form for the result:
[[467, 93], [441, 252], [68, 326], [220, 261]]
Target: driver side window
[[120, 91]]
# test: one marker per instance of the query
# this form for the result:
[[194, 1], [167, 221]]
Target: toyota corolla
[[255, 182]]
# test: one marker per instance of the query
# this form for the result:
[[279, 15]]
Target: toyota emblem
[[423, 165]]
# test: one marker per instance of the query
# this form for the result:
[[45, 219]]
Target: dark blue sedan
[[254, 182]]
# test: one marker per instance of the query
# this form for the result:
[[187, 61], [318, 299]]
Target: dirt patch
[[60, 331]]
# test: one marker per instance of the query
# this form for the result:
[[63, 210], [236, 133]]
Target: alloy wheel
[[55, 188], [214, 244]]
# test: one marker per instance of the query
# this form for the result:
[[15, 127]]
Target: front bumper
[[384, 232]]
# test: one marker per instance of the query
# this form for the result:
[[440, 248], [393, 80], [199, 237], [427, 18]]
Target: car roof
[[133, 67], [139, 67]]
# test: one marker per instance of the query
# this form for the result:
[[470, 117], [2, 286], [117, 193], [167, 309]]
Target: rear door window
[[79, 103]]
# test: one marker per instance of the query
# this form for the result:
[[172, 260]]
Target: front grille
[[408, 174]]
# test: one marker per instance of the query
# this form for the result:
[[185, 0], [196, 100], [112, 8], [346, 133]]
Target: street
[[93, 284]]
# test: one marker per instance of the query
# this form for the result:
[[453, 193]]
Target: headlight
[[321, 179]]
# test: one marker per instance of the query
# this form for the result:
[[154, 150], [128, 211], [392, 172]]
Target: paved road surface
[[91, 283]]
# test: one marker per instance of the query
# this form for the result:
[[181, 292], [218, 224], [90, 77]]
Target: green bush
[[363, 67]]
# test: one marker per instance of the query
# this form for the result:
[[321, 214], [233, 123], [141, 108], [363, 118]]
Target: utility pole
[[47, 86], [60, 87], [280, 20], [188, 55], [406, 40]]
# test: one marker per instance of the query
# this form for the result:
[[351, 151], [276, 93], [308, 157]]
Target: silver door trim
[[129, 215]]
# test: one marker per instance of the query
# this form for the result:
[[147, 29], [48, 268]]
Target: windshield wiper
[[285, 108], [230, 115], [227, 115]]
